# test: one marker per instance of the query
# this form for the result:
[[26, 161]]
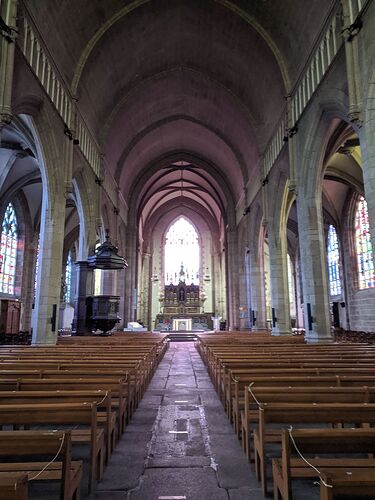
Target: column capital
[[5, 119]]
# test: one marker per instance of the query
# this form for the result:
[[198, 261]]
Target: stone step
[[182, 337]]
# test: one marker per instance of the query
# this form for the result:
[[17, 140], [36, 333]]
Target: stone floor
[[179, 444]]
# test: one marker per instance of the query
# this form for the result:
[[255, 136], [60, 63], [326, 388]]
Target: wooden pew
[[322, 443], [14, 487], [62, 414], [354, 483], [282, 394], [102, 398], [46, 443], [279, 414], [116, 386]]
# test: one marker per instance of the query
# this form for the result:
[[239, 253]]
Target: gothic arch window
[[267, 279], [291, 287], [365, 262], [68, 278], [8, 252], [36, 266], [333, 256], [181, 253]]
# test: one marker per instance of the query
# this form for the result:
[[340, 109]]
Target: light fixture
[[154, 277], [207, 276]]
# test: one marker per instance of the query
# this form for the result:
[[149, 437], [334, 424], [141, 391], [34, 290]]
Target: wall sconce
[[207, 276], [154, 277]]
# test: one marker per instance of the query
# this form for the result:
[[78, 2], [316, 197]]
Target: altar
[[182, 308], [182, 324]]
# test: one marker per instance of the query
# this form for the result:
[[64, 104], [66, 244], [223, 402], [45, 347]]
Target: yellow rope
[[305, 460], [49, 463]]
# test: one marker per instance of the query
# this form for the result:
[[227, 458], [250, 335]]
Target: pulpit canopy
[[106, 256]]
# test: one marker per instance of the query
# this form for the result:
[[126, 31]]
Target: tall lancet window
[[365, 262], [333, 256], [36, 266], [181, 254], [68, 278], [8, 252], [291, 287]]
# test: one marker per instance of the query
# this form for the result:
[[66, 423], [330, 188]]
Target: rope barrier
[[305, 460], [252, 393], [51, 462]]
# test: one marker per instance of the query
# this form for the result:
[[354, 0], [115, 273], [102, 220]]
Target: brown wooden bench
[[273, 416], [280, 394], [33, 444], [117, 386], [319, 446], [14, 487], [63, 414], [353, 483], [106, 417]]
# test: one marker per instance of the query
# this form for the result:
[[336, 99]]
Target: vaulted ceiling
[[181, 88]]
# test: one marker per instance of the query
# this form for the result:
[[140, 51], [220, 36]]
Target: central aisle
[[179, 444]]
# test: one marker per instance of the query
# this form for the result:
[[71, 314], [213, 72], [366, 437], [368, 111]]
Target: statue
[[63, 288]]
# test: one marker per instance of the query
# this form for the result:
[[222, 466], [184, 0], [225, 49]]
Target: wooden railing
[[41, 64]]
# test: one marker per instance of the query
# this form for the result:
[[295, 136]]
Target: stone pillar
[[367, 141], [121, 294], [258, 299], [28, 289], [84, 288], [314, 270], [130, 277], [145, 290], [353, 70], [8, 12], [232, 277], [279, 283], [49, 274]]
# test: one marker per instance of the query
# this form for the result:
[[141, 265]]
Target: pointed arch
[[181, 252], [8, 252], [364, 253]]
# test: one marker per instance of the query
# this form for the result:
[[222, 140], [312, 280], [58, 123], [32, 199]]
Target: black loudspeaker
[[53, 318], [309, 316], [274, 319]]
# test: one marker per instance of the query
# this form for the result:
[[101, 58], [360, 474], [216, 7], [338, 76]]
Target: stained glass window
[[333, 255], [366, 273], [36, 266], [8, 252], [182, 253], [68, 278], [292, 290]]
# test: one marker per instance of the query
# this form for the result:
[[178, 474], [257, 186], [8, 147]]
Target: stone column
[[352, 66], [130, 276], [232, 277], [145, 291], [49, 274], [258, 299], [279, 283], [314, 270], [84, 288], [367, 140], [121, 293], [28, 290], [7, 47]]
